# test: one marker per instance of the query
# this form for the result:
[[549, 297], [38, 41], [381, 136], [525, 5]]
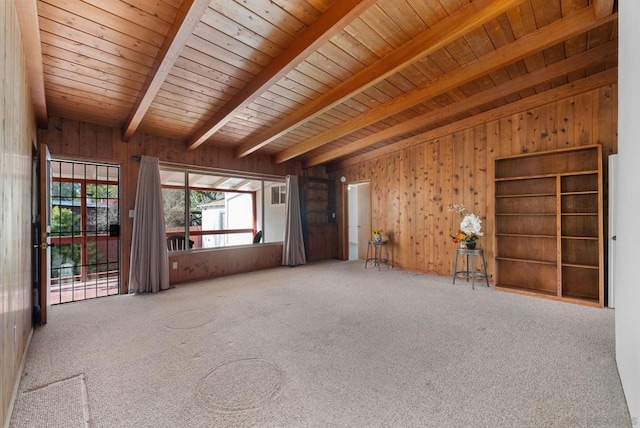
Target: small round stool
[[470, 272], [377, 258]]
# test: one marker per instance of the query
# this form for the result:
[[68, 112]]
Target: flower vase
[[463, 245], [471, 245], [377, 238]]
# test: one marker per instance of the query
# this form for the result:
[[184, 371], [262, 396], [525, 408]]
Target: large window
[[208, 210]]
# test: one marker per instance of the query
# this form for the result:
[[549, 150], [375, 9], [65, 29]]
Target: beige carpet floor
[[323, 345]]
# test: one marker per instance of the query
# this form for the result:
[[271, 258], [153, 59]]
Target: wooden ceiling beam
[[182, 28], [599, 80], [538, 77], [27, 11], [603, 8], [547, 36], [468, 18], [332, 21]]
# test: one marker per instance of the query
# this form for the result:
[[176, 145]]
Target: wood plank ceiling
[[312, 80]]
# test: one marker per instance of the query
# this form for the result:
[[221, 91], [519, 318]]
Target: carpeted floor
[[65, 402], [326, 344]]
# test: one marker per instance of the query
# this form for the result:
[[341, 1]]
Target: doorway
[[359, 219], [85, 230]]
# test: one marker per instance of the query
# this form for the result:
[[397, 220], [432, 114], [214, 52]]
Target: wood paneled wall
[[17, 137], [70, 139], [412, 187], [223, 262]]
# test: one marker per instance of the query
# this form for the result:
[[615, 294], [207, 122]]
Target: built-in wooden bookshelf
[[318, 212], [549, 224]]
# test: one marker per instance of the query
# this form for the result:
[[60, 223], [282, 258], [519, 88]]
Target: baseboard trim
[[16, 386]]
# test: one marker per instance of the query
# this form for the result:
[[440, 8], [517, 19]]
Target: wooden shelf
[[525, 214], [569, 161], [548, 295], [580, 266], [525, 177], [522, 235], [548, 213], [541, 262], [524, 195], [523, 290], [578, 173], [580, 297], [586, 192]]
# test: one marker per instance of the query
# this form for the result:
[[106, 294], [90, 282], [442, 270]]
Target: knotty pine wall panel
[[412, 187], [17, 138], [71, 139]]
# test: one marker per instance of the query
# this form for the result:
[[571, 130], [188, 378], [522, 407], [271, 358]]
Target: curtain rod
[[215, 170]]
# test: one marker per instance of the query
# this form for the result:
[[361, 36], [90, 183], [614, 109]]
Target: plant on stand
[[470, 227], [377, 235]]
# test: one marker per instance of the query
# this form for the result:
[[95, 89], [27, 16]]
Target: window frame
[[282, 194], [187, 232]]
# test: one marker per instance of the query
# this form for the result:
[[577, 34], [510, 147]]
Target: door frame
[[84, 236], [612, 229], [44, 238], [364, 210]]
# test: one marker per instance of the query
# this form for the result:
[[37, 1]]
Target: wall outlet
[[132, 213], [174, 265]]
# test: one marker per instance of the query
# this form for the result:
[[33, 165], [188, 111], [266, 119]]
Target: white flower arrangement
[[470, 226]]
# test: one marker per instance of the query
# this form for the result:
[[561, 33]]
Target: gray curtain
[[293, 246], [149, 268]]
